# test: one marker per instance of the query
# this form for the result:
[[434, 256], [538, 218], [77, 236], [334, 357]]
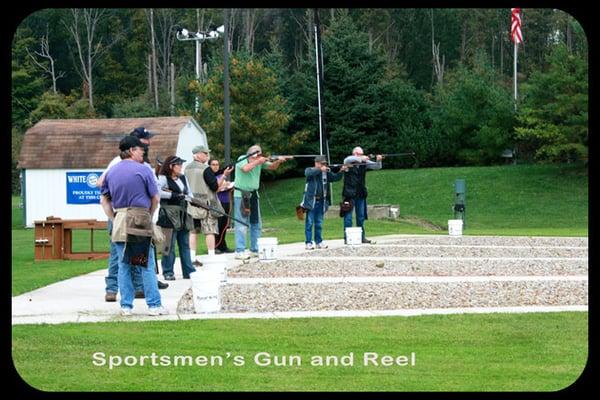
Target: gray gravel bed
[[490, 240], [383, 296], [331, 267], [483, 252]]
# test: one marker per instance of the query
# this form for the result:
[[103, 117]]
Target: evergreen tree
[[553, 118]]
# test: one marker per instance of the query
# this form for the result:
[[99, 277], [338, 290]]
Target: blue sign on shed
[[81, 188]]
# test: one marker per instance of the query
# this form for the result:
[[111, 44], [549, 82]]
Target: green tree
[[258, 110], [553, 117], [473, 115]]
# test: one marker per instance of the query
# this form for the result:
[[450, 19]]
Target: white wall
[[189, 137], [46, 194]]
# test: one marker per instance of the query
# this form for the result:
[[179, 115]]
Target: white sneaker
[[125, 311], [253, 254], [309, 246], [241, 256], [160, 310], [321, 246]]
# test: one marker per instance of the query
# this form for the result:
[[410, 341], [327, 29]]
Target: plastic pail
[[354, 236], [205, 290], [215, 263], [455, 227], [267, 249]]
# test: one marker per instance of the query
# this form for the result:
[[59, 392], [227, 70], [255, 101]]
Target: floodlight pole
[[227, 117]]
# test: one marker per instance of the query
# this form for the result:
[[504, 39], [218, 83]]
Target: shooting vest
[[194, 172], [354, 182]]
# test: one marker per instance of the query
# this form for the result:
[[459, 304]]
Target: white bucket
[[205, 290], [354, 236], [215, 263], [455, 227], [267, 249]]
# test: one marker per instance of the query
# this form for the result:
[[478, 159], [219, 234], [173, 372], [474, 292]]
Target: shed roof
[[93, 143]]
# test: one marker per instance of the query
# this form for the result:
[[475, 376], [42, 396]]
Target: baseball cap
[[142, 133], [176, 160], [321, 159], [200, 148], [128, 142]]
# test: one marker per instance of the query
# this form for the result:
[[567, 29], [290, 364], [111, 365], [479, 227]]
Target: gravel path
[[379, 296], [331, 267], [450, 251], [489, 240], [527, 258]]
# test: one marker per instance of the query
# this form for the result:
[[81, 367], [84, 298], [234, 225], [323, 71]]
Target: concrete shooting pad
[[402, 275]]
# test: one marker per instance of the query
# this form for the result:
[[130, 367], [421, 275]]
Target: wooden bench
[[54, 239]]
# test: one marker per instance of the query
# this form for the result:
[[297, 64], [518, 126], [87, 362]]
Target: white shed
[[61, 159]]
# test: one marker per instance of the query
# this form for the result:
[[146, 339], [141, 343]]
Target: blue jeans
[[314, 217], [112, 281], [183, 243], [360, 207], [241, 230], [148, 276]]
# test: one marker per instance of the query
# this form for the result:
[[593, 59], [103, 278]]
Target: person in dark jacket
[[173, 216], [355, 189], [317, 199]]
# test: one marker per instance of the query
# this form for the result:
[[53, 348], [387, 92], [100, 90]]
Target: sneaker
[[139, 294], [162, 285], [218, 251], [110, 296], [170, 278], [160, 310], [196, 263], [309, 246], [228, 250], [366, 241], [125, 311], [241, 256], [321, 246], [253, 254]]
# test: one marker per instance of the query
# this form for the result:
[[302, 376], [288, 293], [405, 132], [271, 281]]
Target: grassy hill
[[502, 200]]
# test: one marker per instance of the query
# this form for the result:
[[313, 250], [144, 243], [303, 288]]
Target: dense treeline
[[435, 81]]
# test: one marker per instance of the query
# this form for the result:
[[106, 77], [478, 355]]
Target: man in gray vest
[[204, 186]]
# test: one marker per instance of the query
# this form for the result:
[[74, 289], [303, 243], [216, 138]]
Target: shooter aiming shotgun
[[357, 164]]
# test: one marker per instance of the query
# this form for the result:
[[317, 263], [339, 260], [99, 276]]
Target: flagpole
[[515, 68]]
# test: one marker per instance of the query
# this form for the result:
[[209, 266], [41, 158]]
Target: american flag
[[515, 29]]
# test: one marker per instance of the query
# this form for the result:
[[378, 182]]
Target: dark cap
[[176, 160], [142, 133], [321, 159], [128, 142]]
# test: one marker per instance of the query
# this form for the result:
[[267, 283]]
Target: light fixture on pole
[[199, 37]]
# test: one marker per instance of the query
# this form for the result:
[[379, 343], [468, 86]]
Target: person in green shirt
[[245, 199]]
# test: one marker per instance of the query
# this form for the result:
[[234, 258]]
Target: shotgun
[[198, 203]]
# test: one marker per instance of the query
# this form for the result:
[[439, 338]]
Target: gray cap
[[321, 159], [201, 148]]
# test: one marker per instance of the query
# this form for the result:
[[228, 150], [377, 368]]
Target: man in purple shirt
[[130, 184]]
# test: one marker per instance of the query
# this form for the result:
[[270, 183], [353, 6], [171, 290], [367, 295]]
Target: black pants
[[221, 243]]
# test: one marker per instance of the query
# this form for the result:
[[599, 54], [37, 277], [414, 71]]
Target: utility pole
[[226, 133]]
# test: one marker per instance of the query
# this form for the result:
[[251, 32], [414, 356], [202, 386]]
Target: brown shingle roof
[[92, 143]]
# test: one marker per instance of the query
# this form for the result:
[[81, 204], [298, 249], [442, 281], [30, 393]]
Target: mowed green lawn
[[488, 352]]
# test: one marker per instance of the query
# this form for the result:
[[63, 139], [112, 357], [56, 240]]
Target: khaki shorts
[[207, 226]]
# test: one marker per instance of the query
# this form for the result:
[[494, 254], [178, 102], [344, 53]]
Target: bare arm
[[154, 204], [253, 164], [275, 164], [107, 207]]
